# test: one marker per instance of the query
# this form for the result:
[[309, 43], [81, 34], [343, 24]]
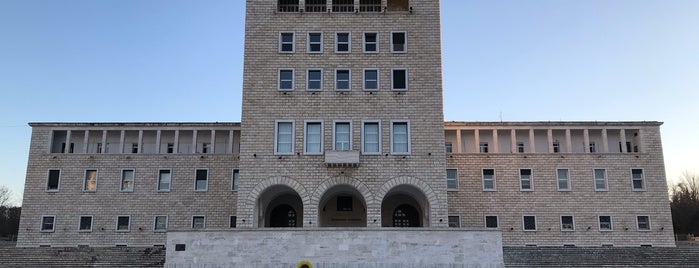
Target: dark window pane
[[399, 79], [491, 221]]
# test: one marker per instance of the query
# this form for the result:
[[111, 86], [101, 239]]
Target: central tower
[[342, 121]]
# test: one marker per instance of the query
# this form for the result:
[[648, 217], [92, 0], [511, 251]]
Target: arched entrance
[[342, 206], [405, 206], [280, 206]]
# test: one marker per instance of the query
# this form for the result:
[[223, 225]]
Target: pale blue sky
[[175, 60]]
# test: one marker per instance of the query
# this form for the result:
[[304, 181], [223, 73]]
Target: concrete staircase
[[682, 256], [81, 257]]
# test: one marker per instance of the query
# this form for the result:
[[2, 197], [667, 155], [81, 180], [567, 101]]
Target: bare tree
[[5, 195], [685, 204]]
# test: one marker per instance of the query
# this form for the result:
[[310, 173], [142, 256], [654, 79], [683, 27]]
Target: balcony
[[342, 158]]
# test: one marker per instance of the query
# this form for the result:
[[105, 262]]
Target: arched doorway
[[342, 206], [405, 206], [280, 206]]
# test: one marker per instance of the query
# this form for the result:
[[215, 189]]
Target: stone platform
[[336, 248]]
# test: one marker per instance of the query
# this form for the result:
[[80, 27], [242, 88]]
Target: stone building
[[342, 126]]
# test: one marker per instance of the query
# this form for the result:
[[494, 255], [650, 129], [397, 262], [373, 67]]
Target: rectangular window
[[123, 223], [284, 138], [605, 223], [452, 179], [342, 42], [170, 148], [90, 181], [315, 80], [371, 138], [643, 223], [134, 148], [53, 180], [286, 79], [343, 5], [593, 147], [400, 138], [85, 224], [315, 41], [99, 148], [399, 79], [316, 6], [448, 147], [314, 138], [563, 178], [286, 42], [371, 42], [529, 222], [160, 223], [127, 180], [520, 147], [344, 203], [234, 180], [567, 223], [483, 147], [600, 179], [342, 136], [48, 223], [637, 179], [556, 147], [371, 79], [288, 5], [164, 180], [198, 222], [488, 180], [491, 221], [399, 42], [342, 80], [525, 179], [232, 221], [369, 5], [454, 222], [201, 180]]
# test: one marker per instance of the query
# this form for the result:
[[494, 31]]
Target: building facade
[[342, 126]]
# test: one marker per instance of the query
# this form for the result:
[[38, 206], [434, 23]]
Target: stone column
[[176, 145], [66, 149], [140, 142], [549, 135], [495, 148], [194, 141], [157, 141], [121, 142], [86, 140], [513, 141], [477, 139], [230, 142], [569, 145], [622, 139], [532, 141], [586, 140], [605, 141], [640, 141], [458, 141], [213, 142], [104, 142]]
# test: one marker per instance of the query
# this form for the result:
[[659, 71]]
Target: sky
[[515, 60]]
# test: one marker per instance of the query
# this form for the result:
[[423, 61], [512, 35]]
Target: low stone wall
[[336, 248]]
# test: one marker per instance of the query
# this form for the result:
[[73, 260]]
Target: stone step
[[600, 257]]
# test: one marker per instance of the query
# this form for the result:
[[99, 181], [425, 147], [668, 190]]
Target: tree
[[9, 215], [684, 204], [5, 195]]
